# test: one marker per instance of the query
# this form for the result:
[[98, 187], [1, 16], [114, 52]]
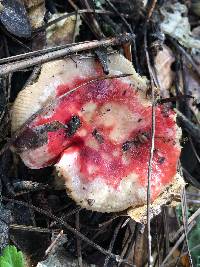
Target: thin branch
[[151, 9], [75, 28], [190, 220], [34, 53], [187, 56], [24, 187], [177, 244], [30, 228], [150, 260], [194, 149], [33, 76], [153, 119], [193, 201], [80, 11], [128, 246], [93, 26], [113, 242], [61, 52], [173, 98], [71, 229], [67, 215], [166, 229], [106, 223], [127, 47], [54, 243], [91, 17], [78, 241], [118, 13], [189, 126], [185, 223], [192, 180]]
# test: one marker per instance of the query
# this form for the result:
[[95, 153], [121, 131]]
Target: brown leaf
[[63, 31], [36, 11], [163, 62], [193, 86]]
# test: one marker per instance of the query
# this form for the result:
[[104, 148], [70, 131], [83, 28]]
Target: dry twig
[[34, 58], [53, 244], [78, 241], [177, 244], [71, 229], [185, 223]]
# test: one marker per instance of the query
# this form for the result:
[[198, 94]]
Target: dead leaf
[[63, 31], [177, 25], [192, 81], [195, 7], [139, 214], [14, 17], [196, 52], [163, 62], [36, 11]]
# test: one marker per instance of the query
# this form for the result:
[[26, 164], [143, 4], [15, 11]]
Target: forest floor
[[158, 36]]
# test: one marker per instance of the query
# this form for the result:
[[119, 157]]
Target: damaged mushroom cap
[[99, 135]]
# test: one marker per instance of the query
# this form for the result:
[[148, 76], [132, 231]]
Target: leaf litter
[[175, 75]]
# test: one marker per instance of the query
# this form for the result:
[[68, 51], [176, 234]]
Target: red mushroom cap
[[99, 136]]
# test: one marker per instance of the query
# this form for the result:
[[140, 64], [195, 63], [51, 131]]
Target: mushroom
[[97, 132]]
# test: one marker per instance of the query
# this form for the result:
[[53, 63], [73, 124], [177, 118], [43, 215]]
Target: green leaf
[[11, 257], [4, 263], [193, 236]]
